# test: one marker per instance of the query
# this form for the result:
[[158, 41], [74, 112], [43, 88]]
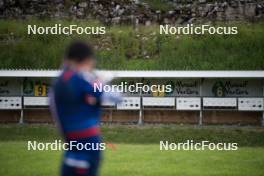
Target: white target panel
[[219, 103], [188, 103], [158, 101], [129, 103], [10, 102], [250, 104], [108, 104], [36, 101]]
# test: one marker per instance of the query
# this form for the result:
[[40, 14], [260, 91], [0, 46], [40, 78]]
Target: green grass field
[[132, 157], [125, 48]]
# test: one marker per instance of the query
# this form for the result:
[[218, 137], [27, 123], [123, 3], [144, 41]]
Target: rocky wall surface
[[136, 11]]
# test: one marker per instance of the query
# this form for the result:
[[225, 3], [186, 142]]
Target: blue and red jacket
[[76, 104]]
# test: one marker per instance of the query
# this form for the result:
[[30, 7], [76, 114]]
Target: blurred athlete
[[75, 104]]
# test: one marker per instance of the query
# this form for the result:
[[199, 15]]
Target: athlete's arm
[[94, 95]]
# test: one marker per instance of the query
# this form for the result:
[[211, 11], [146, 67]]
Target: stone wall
[[136, 11]]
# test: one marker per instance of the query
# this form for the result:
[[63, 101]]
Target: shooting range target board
[[129, 103], [36, 101], [219, 103], [250, 104], [10, 103], [188, 103], [158, 101], [108, 104]]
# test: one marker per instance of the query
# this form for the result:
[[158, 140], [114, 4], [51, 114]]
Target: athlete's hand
[[91, 100]]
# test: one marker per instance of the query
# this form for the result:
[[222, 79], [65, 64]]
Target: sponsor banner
[[232, 88], [36, 87], [163, 88], [149, 87], [31, 87], [10, 87]]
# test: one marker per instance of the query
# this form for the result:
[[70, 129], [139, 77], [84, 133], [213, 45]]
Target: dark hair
[[79, 51]]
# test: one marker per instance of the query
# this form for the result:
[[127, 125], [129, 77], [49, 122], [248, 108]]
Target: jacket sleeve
[[91, 88]]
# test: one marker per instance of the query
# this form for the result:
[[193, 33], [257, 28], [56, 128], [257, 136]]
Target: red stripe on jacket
[[67, 75], [85, 133]]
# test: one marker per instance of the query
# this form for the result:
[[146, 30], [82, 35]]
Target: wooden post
[[262, 124], [262, 120], [21, 120], [140, 118], [201, 110], [111, 115]]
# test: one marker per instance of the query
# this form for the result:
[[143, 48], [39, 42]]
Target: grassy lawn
[[125, 48], [136, 159], [133, 157], [147, 134]]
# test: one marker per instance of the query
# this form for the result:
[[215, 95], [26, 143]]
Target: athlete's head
[[80, 55]]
